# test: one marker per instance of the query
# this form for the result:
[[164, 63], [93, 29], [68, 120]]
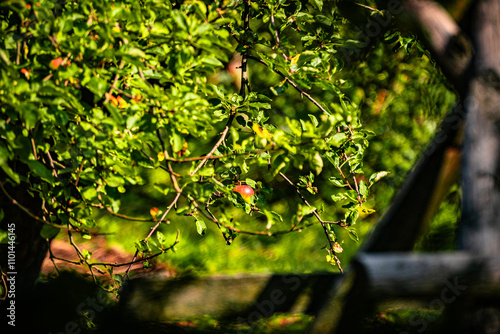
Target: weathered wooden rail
[[465, 282], [249, 297]]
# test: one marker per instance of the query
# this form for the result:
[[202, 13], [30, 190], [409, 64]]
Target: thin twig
[[18, 53], [368, 7], [278, 38], [27, 211], [122, 216], [244, 86], [79, 172], [4, 284], [219, 142], [164, 250], [115, 81], [154, 228], [52, 257], [53, 40], [151, 159], [51, 161], [173, 175], [116, 214], [294, 85], [322, 222], [208, 214], [33, 146]]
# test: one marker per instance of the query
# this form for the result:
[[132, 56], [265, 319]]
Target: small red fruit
[[245, 191], [55, 63]]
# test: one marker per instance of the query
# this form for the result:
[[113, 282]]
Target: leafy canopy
[[215, 94]]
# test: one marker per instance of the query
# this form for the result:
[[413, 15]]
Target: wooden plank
[[412, 275], [451, 47], [377, 277], [248, 297]]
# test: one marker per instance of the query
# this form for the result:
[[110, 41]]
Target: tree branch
[[322, 222], [153, 229], [173, 175], [130, 263], [294, 85], [244, 86]]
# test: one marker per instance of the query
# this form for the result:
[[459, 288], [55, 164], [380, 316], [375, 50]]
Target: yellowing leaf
[[112, 99], [337, 248], [262, 133], [365, 211], [25, 72], [121, 102]]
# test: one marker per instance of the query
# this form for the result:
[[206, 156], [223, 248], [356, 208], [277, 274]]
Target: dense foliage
[[192, 99]]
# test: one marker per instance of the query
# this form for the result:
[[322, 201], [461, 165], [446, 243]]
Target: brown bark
[[30, 247]]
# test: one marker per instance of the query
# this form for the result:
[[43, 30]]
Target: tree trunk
[[30, 248]]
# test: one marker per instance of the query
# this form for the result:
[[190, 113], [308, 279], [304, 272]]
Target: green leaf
[[353, 234], [303, 125], [251, 183], [118, 278], [180, 19], [201, 227], [314, 120], [86, 254], [333, 158], [212, 60], [97, 86], [162, 188], [352, 216], [337, 181], [115, 181], [89, 193], [160, 237], [49, 231], [307, 210], [376, 176], [318, 4], [271, 216], [337, 139], [41, 170], [206, 171], [143, 246], [339, 197], [260, 105], [219, 92], [135, 52], [4, 153], [317, 163], [363, 189]]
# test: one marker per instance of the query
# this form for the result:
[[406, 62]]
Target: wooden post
[[480, 226]]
